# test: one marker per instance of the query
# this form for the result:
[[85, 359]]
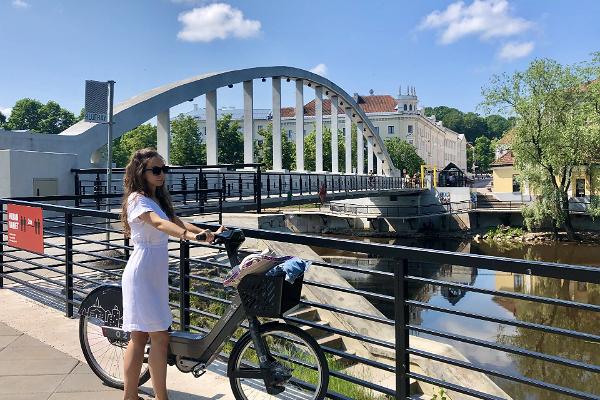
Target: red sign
[[26, 228]]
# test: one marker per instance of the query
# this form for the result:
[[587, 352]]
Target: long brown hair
[[134, 182]]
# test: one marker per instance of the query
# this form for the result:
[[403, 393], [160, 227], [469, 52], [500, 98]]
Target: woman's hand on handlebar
[[208, 236], [221, 229]]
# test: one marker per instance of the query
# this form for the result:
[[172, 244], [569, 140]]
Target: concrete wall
[[502, 179], [22, 167]]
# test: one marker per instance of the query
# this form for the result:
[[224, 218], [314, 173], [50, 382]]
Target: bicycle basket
[[269, 296]]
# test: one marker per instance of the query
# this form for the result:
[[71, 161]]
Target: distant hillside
[[471, 124]]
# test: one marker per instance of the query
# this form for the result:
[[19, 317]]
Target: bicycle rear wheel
[[104, 355], [292, 350]]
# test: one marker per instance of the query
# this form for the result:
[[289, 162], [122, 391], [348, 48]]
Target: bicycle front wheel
[[105, 356], [292, 350]]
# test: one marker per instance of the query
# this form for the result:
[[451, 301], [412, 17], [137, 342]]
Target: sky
[[447, 50]]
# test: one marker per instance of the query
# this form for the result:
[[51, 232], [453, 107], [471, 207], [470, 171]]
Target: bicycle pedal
[[198, 371]]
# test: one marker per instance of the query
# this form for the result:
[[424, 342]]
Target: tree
[[264, 151], [138, 138], [403, 155], [186, 145], [310, 150], [2, 119], [552, 133], [484, 153], [44, 118], [470, 124], [231, 141], [497, 125]]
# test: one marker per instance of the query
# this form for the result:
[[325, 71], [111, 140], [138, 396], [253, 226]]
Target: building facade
[[391, 116]]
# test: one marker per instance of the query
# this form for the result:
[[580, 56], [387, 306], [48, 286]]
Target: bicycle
[[273, 357]]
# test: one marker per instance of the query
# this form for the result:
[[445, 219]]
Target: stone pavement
[[40, 359]]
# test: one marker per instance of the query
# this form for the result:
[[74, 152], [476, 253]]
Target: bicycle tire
[[106, 376], [322, 369]]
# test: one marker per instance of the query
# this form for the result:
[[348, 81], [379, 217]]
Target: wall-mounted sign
[[26, 227]]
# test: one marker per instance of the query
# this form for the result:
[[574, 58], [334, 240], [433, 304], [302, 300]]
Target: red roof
[[506, 160], [369, 104]]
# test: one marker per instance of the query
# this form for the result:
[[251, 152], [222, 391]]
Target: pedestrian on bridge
[[149, 219]]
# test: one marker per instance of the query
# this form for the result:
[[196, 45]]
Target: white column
[[277, 164], [248, 122], [370, 155], [319, 127], [360, 151], [334, 135], [211, 128], [299, 125], [163, 135], [379, 164], [348, 141]]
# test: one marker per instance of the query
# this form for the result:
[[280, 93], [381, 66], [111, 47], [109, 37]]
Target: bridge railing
[[244, 184], [399, 211], [382, 349]]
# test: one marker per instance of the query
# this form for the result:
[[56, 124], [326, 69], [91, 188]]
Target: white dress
[[145, 280]]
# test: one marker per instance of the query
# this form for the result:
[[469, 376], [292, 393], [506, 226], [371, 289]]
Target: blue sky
[[447, 49]]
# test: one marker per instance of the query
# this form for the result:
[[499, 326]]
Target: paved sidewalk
[[40, 359]]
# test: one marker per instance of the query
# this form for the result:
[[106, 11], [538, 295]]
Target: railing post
[[309, 185], [97, 190], [223, 186], [2, 245], [184, 285], [240, 187], [401, 318], [126, 245], [220, 210], [258, 190], [300, 180], [268, 186], [69, 264], [77, 189], [184, 188], [280, 187]]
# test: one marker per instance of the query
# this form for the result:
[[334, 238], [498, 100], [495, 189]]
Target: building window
[[377, 130], [405, 108], [390, 130], [259, 127], [516, 185], [344, 130], [410, 129], [410, 107], [580, 188], [290, 134]]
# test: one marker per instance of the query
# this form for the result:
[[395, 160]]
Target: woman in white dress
[[148, 219]]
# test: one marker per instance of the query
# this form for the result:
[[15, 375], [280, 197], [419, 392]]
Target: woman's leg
[[159, 344], [134, 358]]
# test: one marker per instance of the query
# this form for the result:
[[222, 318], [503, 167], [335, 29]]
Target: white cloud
[[320, 69], [20, 4], [6, 111], [514, 50], [483, 18], [216, 21]]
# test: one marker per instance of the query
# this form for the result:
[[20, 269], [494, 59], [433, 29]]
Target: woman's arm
[[174, 229]]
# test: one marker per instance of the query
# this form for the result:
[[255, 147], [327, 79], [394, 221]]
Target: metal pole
[[184, 285], [1, 245], [69, 264], [111, 92], [401, 321]]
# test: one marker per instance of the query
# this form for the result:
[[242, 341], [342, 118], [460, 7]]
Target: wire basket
[[269, 296]]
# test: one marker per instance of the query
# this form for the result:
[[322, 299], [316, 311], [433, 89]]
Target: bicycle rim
[[291, 351], [106, 358]]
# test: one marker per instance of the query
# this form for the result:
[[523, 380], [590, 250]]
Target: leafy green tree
[[186, 145], [403, 155], [231, 141], [471, 124], [310, 150], [484, 153], [44, 118], [264, 151], [497, 125], [123, 147], [26, 114], [552, 133]]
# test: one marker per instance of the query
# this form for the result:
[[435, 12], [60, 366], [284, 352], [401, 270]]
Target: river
[[502, 307]]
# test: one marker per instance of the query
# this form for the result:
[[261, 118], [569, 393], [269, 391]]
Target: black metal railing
[[75, 254], [399, 211], [244, 183]]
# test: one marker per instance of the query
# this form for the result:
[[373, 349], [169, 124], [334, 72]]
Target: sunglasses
[[157, 170]]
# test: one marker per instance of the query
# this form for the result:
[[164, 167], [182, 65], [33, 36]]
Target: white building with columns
[[391, 116]]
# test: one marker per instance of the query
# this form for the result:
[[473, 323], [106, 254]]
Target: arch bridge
[[157, 103]]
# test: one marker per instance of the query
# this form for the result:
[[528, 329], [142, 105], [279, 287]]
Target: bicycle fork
[[274, 374]]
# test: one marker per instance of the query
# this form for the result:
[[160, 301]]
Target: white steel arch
[[89, 137]]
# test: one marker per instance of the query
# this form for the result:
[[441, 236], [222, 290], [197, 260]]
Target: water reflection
[[501, 307]]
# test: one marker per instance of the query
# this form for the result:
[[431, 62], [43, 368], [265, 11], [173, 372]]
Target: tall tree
[[264, 151], [403, 155], [484, 153], [310, 150], [138, 138], [231, 141], [552, 133], [44, 118], [186, 145]]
